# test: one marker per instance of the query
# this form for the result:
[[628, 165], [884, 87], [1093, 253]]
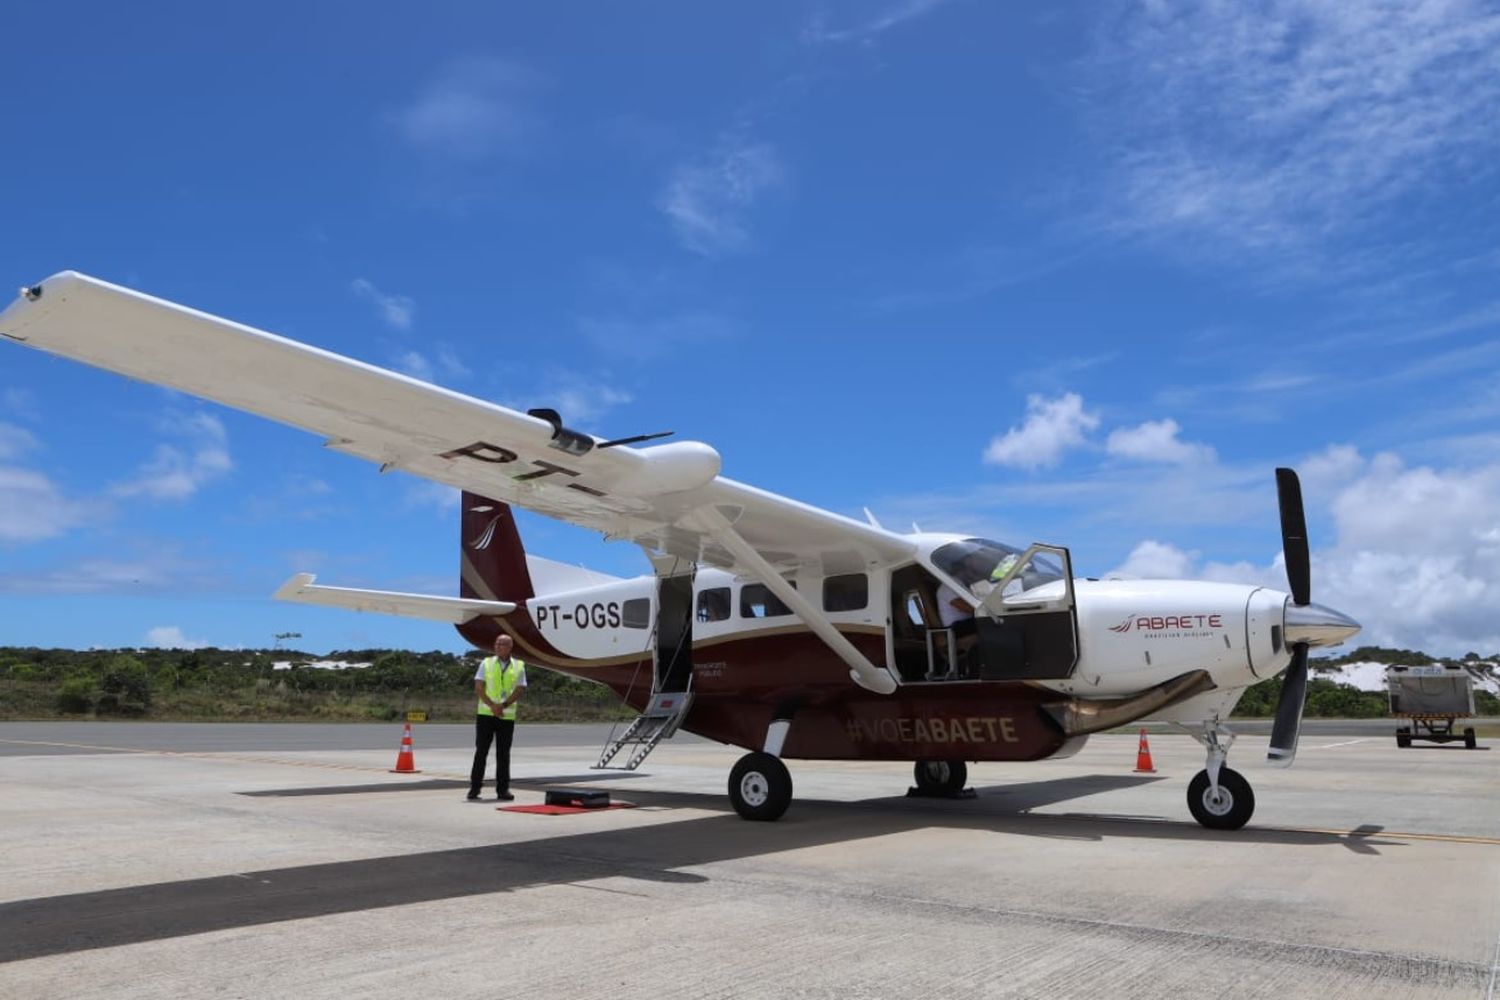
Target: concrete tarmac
[[233, 861]]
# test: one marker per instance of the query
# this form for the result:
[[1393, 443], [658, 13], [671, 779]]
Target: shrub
[[76, 696]]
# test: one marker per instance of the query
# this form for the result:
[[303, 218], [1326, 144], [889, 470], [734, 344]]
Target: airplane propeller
[[1298, 561]]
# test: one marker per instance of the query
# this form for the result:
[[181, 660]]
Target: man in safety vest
[[499, 683]]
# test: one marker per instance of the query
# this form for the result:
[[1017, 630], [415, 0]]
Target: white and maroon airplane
[[768, 624]]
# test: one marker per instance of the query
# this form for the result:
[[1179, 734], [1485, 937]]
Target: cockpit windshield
[[976, 560]]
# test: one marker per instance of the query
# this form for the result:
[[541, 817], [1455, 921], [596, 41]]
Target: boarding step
[[663, 714]]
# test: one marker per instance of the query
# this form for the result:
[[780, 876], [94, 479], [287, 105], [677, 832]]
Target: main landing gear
[[941, 779], [1219, 798], [760, 786]]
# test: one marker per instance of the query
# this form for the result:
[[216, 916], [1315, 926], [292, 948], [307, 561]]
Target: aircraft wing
[[668, 497], [301, 590]]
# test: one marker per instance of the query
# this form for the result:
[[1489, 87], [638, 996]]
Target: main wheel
[[1230, 809], [760, 787], [1470, 741], [941, 777]]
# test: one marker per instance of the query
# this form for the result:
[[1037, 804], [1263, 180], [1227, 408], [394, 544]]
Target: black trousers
[[489, 728]]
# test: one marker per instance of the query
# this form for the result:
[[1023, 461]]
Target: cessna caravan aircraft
[[790, 631]]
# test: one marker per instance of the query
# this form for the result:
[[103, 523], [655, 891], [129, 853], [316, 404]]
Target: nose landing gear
[[1219, 798]]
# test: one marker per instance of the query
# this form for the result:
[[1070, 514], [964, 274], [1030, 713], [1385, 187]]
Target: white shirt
[[520, 677], [947, 613]]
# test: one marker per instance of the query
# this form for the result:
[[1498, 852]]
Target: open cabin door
[[1027, 629], [672, 675], [674, 631], [1024, 629]]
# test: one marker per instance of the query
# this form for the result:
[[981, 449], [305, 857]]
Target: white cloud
[[15, 440], [157, 570], [578, 401], [893, 15], [708, 200], [1157, 441], [396, 310], [175, 473], [171, 637], [471, 111], [415, 364], [442, 366], [432, 496], [1052, 427], [1414, 555], [1274, 125], [21, 402], [32, 507], [1154, 560]]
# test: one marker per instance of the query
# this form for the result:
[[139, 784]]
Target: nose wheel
[[1219, 798], [1227, 807]]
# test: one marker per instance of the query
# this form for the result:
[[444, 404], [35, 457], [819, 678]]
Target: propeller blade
[[1289, 709], [1294, 537]]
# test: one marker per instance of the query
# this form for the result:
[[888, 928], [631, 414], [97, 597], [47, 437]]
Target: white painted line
[[1346, 743], [1494, 971]]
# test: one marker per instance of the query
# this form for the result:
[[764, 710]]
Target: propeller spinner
[[1304, 624]]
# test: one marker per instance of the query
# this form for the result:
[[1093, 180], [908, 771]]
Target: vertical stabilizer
[[492, 562]]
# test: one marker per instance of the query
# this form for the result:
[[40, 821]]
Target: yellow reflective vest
[[499, 681]]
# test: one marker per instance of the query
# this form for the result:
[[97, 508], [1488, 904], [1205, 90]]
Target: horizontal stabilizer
[[457, 610]]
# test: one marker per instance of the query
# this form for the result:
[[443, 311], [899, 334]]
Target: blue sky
[[1082, 273]]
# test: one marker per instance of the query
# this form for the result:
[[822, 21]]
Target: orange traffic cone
[[406, 761], [1143, 757]]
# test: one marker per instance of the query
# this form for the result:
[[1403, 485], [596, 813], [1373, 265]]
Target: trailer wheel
[[1470, 742], [1403, 738]]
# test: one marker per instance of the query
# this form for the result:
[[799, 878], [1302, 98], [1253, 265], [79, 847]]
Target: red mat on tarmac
[[542, 810]]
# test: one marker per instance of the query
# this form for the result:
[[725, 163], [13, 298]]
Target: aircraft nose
[[1317, 625]]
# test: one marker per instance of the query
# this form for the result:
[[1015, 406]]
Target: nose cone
[[1317, 625]]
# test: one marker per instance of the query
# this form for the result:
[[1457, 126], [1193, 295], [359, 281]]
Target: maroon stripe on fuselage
[[740, 685]]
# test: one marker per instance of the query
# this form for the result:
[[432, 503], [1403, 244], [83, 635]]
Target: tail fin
[[492, 561]]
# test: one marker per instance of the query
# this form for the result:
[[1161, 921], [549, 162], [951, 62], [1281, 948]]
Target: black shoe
[[505, 797], [473, 797]]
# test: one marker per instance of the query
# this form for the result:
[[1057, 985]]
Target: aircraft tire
[[1231, 811], [760, 787], [940, 777]]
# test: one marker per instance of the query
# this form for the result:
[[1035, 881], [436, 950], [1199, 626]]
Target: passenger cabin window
[[757, 601], [713, 604], [850, 592], [636, 612]]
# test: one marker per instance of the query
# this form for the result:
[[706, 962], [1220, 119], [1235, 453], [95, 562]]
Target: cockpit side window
[[976, 560]]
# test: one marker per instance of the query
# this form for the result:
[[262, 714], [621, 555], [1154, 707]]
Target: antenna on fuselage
[[871, 518]]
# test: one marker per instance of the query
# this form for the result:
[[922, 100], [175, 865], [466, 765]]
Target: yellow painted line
[[1357, 835]]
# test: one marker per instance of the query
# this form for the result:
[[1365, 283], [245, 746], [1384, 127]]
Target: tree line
[[248, 684], [240, 683]]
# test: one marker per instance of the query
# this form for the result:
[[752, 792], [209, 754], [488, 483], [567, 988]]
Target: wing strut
[[865, 673]]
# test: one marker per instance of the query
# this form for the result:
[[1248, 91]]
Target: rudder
[[492, 561]]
